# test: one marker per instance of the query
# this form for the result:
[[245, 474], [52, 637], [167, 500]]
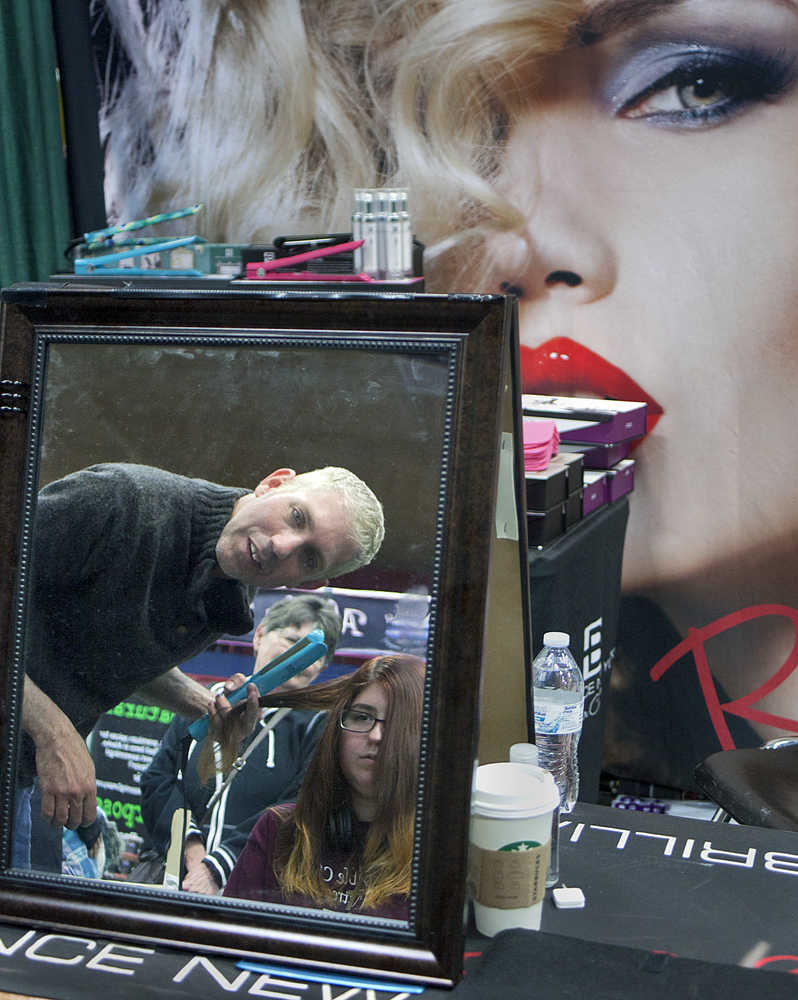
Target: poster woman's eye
[[699, 89], [703, 92]]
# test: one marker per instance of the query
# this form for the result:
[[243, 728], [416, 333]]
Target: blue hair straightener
[[276, 672], [103, 264]]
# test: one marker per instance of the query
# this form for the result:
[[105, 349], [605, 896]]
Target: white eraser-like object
[[567, 898]]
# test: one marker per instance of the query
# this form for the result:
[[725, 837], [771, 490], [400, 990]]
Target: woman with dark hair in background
[[348, 842]]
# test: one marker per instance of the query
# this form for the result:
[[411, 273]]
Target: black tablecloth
[[673, 907]]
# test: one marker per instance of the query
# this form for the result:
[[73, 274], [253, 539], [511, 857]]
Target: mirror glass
[[230, 414]]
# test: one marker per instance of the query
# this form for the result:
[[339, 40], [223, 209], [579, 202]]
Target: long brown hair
[[384, 861]]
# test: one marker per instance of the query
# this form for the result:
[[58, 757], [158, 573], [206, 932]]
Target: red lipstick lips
[[561, 367]]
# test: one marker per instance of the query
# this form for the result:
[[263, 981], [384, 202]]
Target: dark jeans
[[21, 833]]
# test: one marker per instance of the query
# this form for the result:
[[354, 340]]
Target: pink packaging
[[541, 438]]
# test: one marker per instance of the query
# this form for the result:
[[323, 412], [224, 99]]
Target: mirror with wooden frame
[[140, 417]]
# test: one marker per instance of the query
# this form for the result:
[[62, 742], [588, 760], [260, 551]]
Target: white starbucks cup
[[510, 840]]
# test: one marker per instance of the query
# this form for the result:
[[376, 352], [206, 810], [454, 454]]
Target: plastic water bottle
[[559, 695], [527, 753]]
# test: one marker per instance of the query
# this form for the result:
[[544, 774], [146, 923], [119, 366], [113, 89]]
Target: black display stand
[[576, 588]]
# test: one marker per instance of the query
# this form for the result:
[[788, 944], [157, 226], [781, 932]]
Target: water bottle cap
[[559, 640]]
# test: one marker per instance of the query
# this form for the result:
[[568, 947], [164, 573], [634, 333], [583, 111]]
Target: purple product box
[[620, 479], [596, 490], [562, 476], [598, 456], [596, 421]]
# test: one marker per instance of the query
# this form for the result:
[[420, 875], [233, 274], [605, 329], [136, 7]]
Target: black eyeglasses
[[357, 720]]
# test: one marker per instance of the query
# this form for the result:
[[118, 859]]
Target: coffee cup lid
[[507, 790]]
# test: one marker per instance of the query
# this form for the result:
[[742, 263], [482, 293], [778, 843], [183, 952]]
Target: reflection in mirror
[[348, 842], [272, 761], [149, 543]]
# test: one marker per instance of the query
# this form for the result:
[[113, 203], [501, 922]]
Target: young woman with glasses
[[347, 843]]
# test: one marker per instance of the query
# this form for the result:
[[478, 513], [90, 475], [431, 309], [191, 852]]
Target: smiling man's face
[[283, 536]]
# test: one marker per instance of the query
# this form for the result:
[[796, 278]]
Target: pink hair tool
[[255, 273], [301, 258]]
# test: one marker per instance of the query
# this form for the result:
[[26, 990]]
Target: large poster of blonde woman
[[627, 169]]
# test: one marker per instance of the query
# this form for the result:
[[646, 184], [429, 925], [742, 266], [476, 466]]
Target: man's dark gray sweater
[[124, 585]]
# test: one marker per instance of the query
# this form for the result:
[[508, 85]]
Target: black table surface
[[712, 891], [678, 897]]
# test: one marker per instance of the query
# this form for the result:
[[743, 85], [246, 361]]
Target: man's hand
[[63, 763], [66, 777], [181, 693], [231, 725]]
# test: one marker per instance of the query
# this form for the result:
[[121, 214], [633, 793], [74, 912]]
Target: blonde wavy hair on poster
[[252, 108], [271, 111], [461, 81]]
